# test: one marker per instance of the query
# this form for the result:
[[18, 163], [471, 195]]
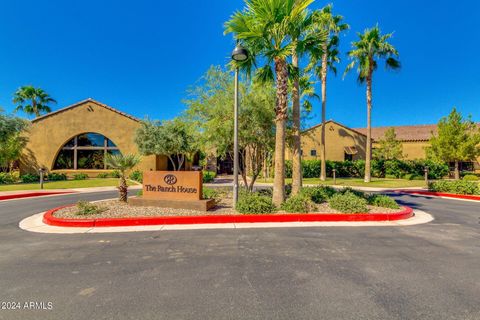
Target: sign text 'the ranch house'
[[167, 185]]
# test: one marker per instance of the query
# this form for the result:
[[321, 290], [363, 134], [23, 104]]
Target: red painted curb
[[31, 195], [49, 219], [446, 195]]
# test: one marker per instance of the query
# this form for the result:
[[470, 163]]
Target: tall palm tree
[[263, 26], [33, 101], [122, 163], [324, 58], [371, 47]]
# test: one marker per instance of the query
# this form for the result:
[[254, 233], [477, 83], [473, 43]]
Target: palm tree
[[264, 28], [324, 58], [371, 47], [33, 101], [122, 163]]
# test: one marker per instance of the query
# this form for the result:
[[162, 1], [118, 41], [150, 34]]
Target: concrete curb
[[442, 195], [32, 194], [51, 220]]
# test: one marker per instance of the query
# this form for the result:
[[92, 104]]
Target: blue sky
[[141, 56]]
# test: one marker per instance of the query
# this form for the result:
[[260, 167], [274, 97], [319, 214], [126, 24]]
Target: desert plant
[[348, 203], [470, 177], [253, 203], [300, 203], [122, 163], [318, 194], [114, 174], [7, 178], [456, 187], [208, 176], [383, 201], [136, 175], [103, 175], [209, 193], [85, 208]]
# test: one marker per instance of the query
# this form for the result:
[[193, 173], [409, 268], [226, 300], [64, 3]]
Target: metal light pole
[[239, 54]]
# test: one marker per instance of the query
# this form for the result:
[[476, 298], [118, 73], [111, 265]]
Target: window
[[313, 153], [85, 152]]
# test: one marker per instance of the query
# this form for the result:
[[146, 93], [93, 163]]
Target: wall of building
[[49, 134], [337, 139]]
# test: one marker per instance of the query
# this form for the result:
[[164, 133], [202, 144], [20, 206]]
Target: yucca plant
[[122, 163]]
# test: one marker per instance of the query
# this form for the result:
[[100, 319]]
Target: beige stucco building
[[77, 138], [343, 143]]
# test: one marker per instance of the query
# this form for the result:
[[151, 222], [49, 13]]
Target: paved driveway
[[429, 271]]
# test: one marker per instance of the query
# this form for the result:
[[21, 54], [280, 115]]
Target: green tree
[[264, 27], [367, 51], [324, 57], [209, 108], [122, 163], [12, 141], [174, 139], [457, 140], [32, 101], [389, 147]]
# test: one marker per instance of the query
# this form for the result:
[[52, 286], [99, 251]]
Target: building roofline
[[335, 122], [81, 103]]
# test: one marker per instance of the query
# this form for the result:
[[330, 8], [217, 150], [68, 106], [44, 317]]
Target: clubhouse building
[[77, 138]]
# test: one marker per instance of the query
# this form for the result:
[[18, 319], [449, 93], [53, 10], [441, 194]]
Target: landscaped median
[[319, 204]]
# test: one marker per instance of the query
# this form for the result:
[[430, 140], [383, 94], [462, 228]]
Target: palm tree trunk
[[457, 171], [34, 108], [297, 143], [323, 156], [123, 190], [368, 151], [281, 117]]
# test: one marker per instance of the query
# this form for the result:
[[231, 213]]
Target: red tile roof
[[404, 133]]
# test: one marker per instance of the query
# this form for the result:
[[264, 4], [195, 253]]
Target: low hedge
[[253, 203], [80, 176], [7, 178], [318, 194], [57, 177], [348, 202], [30, 178], [300, 203], [383, 201], [455, 186]]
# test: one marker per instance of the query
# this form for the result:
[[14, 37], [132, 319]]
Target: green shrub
[[358, 193], [7, 178], [139, 193], [470, 177], [318, 194], [30, 178], [103, 175], [300, 203], [456, 187], [80, 176], [253, 203], [136, 176], [268, 192], [383, 201], [114, 174], [209, 193], [208, 176], [86, 208], [57, 177], [348, 203]]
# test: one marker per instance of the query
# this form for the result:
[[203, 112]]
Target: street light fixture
[[239, 54]]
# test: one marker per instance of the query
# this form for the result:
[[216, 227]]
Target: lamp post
[[426, 175], [239, 54]]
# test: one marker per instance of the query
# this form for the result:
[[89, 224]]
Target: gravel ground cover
[[116, 209]]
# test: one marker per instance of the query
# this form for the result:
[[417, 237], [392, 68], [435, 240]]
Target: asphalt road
[[429, 271]]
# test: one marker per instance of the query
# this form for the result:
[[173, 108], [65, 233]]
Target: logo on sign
[[170, 179]]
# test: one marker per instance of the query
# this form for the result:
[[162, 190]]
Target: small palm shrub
[[7, 178], [300, 203], [30, 178], [103, 175], [348, 202], [121, 163], [253, 203], [86, 208], [208, 176], [57, 177], [456, 187], [382, 201], [80, 176], [136, 175]]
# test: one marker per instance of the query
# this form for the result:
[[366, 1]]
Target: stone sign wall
[[172, 185]]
